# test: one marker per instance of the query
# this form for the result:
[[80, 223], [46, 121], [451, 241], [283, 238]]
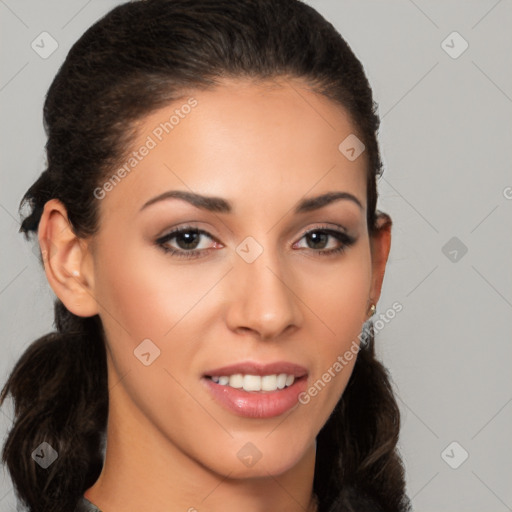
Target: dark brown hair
[[137, 58]]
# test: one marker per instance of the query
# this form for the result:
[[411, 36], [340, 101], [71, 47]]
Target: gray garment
[[84, 505]]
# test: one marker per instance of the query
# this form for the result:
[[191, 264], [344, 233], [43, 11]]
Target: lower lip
[[256, 404]]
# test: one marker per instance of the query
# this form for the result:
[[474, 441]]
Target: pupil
[[190, 238], [318, 237]]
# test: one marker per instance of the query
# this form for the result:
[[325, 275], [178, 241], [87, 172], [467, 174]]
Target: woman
[[209, 163]]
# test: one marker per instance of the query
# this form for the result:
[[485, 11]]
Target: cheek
[[339, 294], [341, 303], [145, 297], [140, 296], [143, 310]]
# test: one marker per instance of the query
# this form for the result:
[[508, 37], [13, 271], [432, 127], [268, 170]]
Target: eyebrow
[[219, 205]]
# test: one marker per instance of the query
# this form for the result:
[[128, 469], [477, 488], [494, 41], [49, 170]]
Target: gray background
[[446, 124]]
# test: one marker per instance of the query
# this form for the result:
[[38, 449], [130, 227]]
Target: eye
[[188, 241], [318, 238]]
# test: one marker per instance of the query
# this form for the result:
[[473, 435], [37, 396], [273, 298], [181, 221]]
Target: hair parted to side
[[137, 58]]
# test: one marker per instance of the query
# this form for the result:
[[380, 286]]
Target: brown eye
[[318, 239], [186, 242]]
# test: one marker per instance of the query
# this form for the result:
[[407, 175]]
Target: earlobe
[[64, 258], [380, 243]]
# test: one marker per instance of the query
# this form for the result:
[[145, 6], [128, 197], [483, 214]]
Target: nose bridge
[[262, 297]]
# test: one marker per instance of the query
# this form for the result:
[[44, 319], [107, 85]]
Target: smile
[[255, 382]]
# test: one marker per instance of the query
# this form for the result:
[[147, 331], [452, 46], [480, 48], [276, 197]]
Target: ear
[[67, 260], [380, 243]]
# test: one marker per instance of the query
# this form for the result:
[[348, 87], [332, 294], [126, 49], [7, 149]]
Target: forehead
[[262, 143]]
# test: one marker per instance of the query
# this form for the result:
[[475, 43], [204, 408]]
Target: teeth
[[236, 381], [269, 383], [255, 382], [281, 380]]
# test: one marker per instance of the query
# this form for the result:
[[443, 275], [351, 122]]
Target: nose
[[262, 299]]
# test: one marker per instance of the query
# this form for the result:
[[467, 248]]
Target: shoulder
[[84, 505]]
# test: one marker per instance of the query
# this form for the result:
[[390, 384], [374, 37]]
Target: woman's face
[[263, 279]]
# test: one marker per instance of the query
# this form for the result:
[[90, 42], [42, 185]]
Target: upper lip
[[254, 368]]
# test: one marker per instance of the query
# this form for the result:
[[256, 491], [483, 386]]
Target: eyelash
[[161, 242]]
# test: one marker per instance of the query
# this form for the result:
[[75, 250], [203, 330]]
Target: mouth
[[257, 390]]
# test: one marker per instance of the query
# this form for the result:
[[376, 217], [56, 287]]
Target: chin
[[261, 458]]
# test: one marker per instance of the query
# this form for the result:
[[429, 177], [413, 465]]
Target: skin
[[263, 147]]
